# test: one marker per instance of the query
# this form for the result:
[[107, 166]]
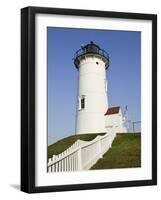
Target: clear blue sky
[[124, 74]]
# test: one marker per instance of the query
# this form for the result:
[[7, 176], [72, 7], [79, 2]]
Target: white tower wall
[[93, 86]]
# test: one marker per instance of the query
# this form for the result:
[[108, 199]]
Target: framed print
[[88, 99]]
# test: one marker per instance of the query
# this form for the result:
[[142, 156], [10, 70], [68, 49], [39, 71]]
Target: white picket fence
[[82, 155]]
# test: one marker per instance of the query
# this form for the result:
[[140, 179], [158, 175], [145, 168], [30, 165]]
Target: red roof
[[112, 110]]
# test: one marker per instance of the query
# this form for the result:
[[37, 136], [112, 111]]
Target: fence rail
[[82, 155]]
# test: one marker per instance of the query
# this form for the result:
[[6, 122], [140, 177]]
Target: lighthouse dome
[[91, 49]]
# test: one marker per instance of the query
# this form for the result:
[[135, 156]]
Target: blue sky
[[124, 74]]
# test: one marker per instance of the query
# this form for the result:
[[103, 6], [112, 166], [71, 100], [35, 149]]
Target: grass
[[125, 153], [65, 143]]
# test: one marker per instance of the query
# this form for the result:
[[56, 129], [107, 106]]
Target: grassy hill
[[65, 143], [125, 153]]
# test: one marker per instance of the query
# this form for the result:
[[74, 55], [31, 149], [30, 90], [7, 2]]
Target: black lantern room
[[91, 49]]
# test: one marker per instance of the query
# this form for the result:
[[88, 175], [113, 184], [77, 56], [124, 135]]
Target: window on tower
[[81, 102]]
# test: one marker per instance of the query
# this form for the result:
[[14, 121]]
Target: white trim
[[42, 177]]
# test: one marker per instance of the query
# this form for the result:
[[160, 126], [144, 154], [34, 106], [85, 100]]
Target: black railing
[[82, 52]]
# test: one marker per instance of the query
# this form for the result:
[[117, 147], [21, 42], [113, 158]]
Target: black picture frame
[[28, 98]]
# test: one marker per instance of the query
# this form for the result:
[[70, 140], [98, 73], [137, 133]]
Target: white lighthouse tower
[[91, 62]]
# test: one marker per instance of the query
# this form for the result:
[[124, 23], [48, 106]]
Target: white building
[[114, 119], [92, 106]]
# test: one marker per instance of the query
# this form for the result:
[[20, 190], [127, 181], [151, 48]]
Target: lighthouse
[[92, 102]]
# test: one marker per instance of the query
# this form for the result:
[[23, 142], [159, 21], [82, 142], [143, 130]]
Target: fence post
[[50, 167], [111, 138], [80, 159], [53, 166]]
